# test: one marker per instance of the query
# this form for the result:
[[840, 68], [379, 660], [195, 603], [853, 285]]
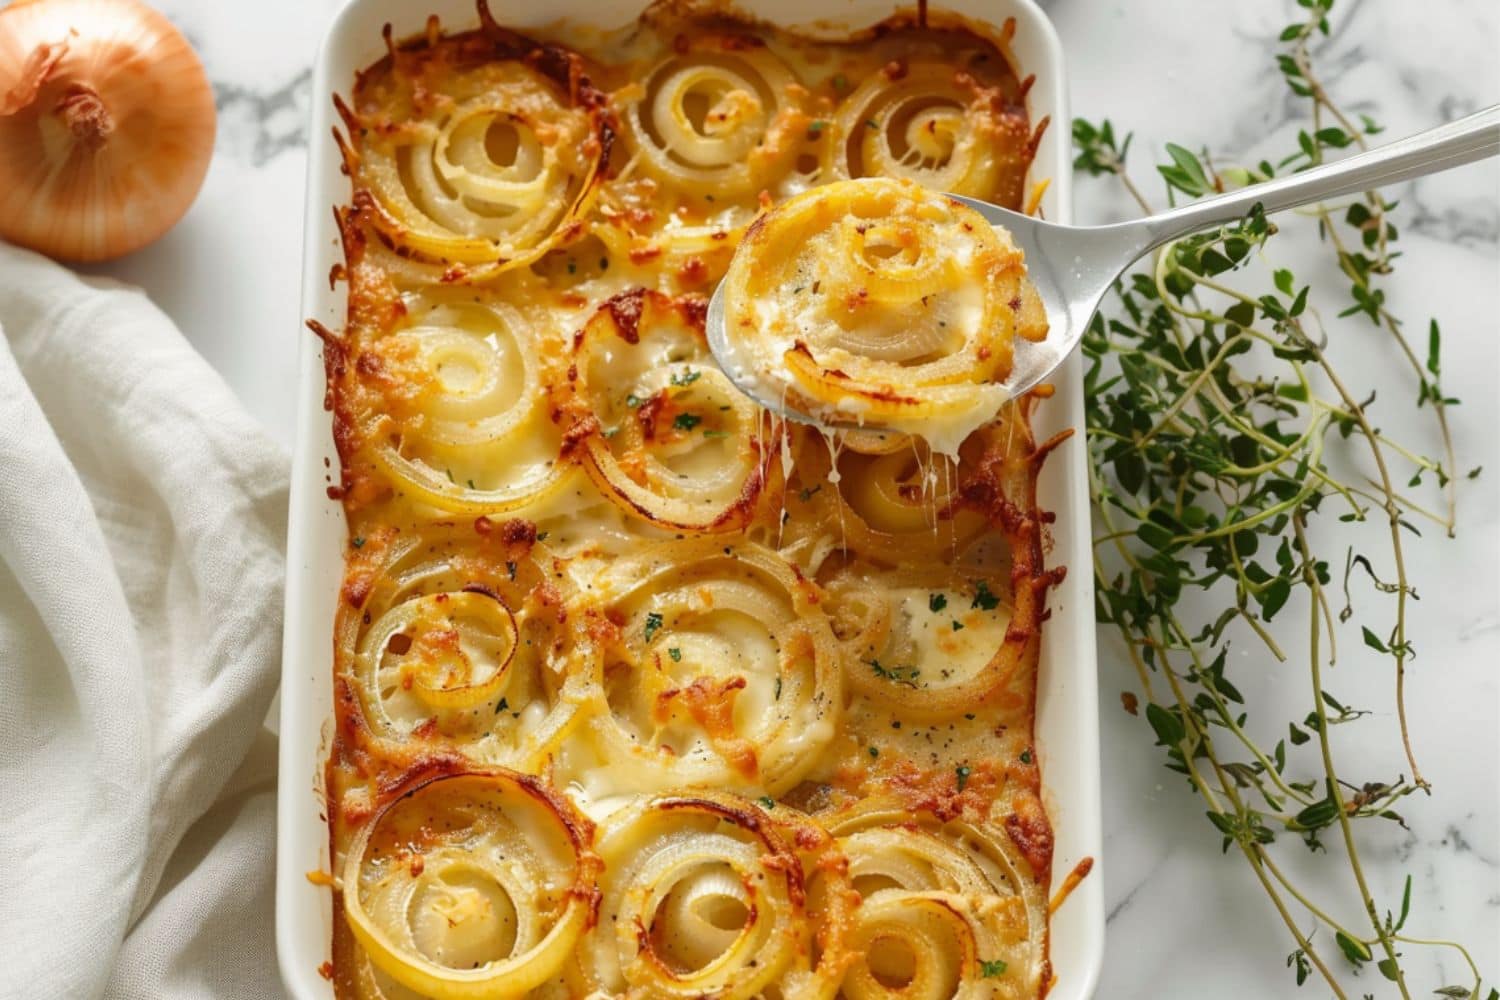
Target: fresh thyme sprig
[[1218, 428]]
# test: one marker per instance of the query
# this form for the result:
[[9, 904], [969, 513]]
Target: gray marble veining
[[259, 125]]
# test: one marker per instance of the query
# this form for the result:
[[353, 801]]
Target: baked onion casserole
[[641, 692]]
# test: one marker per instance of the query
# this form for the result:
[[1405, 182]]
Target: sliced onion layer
[[668, 436], [946, 910], [480, 164], [465, 646], [911, 659], [471, 886], [721, 673], [466, 428], [891, 502], [714, 126], [936, 126], [706, 896], [721, 118]]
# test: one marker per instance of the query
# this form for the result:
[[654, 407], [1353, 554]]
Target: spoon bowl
[[1073, 267]]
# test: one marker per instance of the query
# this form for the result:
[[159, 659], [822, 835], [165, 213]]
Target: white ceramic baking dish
[[1067, 716]]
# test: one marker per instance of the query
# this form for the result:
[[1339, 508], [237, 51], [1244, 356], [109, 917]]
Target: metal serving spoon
[[1073, 266]]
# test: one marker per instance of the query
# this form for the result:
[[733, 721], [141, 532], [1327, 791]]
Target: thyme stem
[[1206, 470]]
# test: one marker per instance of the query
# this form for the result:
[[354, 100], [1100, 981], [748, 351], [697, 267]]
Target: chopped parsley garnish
[[357, 542], [715, 434], [541, 536], [471, 484], [871, 123], [686, 378], [632, 401], [653, 624], [675, 654], [983, 599], [963, 772], [902, 675], [1026, 756], [957, 625], [572, 266], [687, 421], [767, 801], [989, 970], [450, 477], [814, 129], [610, 432], [778, 689], [806, 493], [502, 706], [840, 82], [874, 751], [936, 602]]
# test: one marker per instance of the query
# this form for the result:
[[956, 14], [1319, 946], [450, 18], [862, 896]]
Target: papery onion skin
[[107, 127]]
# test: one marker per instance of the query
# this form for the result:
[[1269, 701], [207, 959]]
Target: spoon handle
[[1463, 141]]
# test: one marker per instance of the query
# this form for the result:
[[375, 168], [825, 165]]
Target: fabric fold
[[142, 524]]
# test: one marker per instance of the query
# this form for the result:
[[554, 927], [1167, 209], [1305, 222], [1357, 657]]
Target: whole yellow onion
[[106, 126]]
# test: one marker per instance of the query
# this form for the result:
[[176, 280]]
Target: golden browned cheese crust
[[639, 691]]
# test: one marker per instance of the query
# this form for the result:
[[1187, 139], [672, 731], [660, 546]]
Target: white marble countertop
[[1184, 920]]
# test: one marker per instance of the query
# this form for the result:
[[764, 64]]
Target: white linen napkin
[[142, 519]]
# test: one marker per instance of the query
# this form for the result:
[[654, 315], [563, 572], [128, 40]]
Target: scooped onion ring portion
[[475, 885], [881, 303]]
